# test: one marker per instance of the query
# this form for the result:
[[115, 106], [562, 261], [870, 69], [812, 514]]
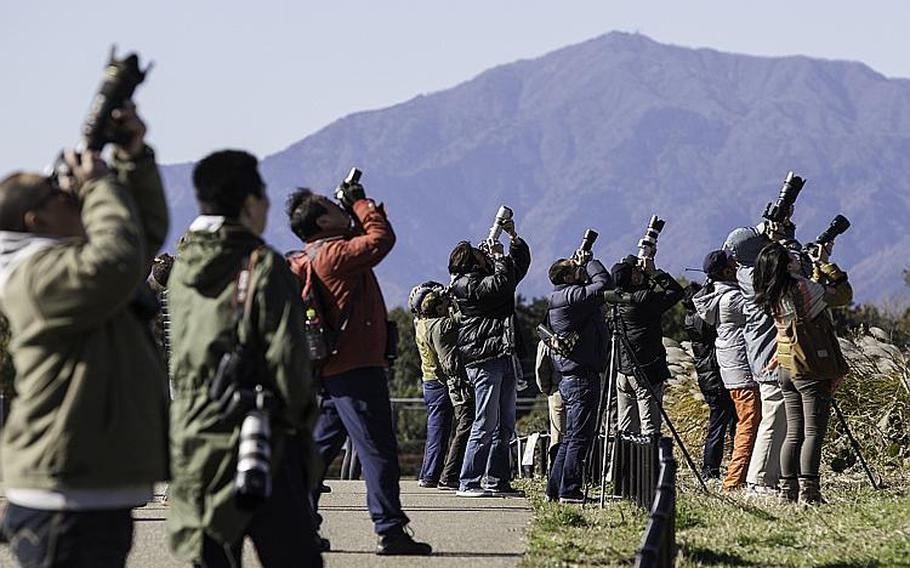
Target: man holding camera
[[483, 286], [353, 378], [238, 360], [574, 315], [87, 436], [651, 292]]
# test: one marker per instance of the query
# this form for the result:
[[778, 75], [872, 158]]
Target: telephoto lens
[[587, 240], [253, 482], [503, 215], [780, 211], [353, 176], [647, 246], [838, 226], [121, 77]]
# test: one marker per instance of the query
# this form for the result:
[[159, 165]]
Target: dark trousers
[[461, 431], [439, 427], [721, 424], [358, 402], [282, 529], [580, 395], [807, 403], [69, 539]]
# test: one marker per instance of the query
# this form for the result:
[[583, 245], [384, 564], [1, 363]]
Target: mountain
[[603, 134]]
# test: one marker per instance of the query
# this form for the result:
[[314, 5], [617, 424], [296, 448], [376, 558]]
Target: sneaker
[[401, 543], [755, 491], [572, 499], [507, 491], [426, 483], [447, 486], [473, 492]]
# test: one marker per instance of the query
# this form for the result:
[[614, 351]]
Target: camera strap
[[242, 301]]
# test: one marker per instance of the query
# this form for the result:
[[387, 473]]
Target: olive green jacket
[[91, 407], [203, 447]]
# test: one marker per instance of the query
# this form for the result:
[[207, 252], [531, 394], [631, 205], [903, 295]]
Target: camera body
[[647, 246], [838, 226], [343, 191], [781, 210]]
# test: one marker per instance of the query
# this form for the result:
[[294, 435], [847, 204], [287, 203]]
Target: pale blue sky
[[262, 75]]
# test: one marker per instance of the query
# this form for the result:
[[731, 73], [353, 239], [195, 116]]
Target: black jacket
[[641, 320], [487, 304], [702, 336], [576, 308]]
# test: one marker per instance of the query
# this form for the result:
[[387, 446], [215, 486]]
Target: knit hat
[[745, 243]]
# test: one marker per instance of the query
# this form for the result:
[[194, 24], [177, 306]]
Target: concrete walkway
[[478, 532]]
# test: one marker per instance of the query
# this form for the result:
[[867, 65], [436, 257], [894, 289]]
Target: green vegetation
[[859, 527]]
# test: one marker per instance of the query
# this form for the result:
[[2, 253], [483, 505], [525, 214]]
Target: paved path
[[480, 532]]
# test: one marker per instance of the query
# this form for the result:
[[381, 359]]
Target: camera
[[504, 214], [838, 226], [344, 188], [587, 241], [121, 77], [647, 246], [780, 211], [253, 480]]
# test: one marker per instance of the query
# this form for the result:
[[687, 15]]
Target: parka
[[722, 305], [204, 447]]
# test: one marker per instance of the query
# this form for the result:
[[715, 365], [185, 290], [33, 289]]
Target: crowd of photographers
[[263, 364]]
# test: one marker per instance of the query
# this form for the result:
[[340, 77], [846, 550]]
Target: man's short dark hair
[[462, 259], [562, 271], [303, 207], [622, 272], [19, 193], [224, 179]]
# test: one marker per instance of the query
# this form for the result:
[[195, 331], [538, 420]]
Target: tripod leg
[[608, 447], [853, 442], [589, 457]]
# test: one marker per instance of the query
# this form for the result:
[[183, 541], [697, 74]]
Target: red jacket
[[345, 267]]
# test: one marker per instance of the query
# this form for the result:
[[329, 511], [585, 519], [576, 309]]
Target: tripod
[[620, 338]]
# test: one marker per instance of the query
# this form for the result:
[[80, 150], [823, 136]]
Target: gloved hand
[[349, 193], [582, 257], [820, 253]]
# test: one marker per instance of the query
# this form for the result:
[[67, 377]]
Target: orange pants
[[748, 416]]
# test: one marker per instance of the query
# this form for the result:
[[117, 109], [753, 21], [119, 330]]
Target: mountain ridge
[[602, 134]]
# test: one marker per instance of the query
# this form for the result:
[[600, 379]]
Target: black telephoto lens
[[838, 226], [587, 241]]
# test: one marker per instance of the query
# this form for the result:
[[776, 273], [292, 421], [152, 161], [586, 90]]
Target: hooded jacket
[[758, 330], [487, 306], [577, 308], [721, 305], [641, 320], [92, 392], [201, 293]]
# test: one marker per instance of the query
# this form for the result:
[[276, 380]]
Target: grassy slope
[[858, 528]]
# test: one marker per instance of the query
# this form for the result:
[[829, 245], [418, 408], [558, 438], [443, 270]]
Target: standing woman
[[811, 363]]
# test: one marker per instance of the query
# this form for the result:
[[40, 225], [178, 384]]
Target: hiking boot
[[809, 491], [755, 491], [789, 490], [400, 543], [473, 492]]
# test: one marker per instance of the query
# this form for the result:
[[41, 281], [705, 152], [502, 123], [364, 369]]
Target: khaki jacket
[[204, 447], [91, 406]]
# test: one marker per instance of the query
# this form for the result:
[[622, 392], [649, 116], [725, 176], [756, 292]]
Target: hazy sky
[[262, 75]]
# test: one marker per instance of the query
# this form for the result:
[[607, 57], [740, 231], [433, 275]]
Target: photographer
[[86, 438], [574, 314], [353, 378], [761, 342], [483, 287], [446, 389], [721, 412], [652, 292], [720, 303], [229, 293], [811, 363]]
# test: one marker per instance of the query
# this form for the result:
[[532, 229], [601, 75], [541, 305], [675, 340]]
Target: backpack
[[808, 349]]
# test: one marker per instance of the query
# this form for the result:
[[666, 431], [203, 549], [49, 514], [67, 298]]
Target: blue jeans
[[580, 396], [358, 401], [439, 426], [486, 459]]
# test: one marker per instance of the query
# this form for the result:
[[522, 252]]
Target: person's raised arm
[[365, 250]]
